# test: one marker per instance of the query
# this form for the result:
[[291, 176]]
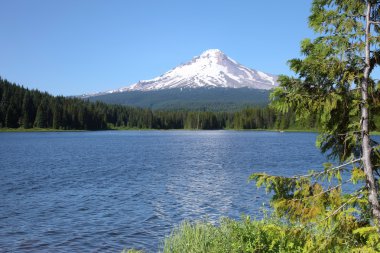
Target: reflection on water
[[103, 191]]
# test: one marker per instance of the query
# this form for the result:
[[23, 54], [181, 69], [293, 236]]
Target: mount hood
[[212, 69]]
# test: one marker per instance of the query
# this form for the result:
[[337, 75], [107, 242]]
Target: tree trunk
[[366, 147]]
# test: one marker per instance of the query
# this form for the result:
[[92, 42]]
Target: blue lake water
[[105, 191]]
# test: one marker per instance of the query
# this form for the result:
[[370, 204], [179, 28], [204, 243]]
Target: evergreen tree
[[42, 118], [57, 115], [11, 119], [334, 85], [4, 102], [27, 110]]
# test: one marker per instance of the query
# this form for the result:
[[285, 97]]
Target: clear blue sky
[[73, 47]]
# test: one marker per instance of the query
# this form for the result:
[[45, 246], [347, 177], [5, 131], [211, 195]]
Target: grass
[[260, 236], [234, 236]]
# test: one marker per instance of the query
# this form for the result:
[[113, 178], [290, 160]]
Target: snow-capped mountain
[[211, 69]]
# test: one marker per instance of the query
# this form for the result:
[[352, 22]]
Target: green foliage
[[233, 236], [330, 75], [20, 107], [302, 199], [268, 235]]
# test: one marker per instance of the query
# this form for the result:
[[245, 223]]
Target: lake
[[109, 190]]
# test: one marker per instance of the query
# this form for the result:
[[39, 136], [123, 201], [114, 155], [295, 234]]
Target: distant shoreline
[[33, 130], [20, 130]]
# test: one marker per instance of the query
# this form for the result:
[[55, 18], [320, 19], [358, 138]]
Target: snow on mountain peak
[[212, 53], [210, 69]]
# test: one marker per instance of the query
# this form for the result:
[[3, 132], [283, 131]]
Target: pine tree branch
[[355, 196], [323, 192], [353, 132], [326, 171]]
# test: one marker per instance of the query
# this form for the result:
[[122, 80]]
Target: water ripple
[[105, 191]]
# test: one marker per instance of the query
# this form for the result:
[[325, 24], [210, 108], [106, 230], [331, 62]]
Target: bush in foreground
[[266, 236], [235, 236]]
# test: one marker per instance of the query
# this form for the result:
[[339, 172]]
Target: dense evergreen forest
[[215, 99], [24, 108]]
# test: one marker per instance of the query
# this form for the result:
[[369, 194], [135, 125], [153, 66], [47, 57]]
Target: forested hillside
[[211, 99], [24, 108]]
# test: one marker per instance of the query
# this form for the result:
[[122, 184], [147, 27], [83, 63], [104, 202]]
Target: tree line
[[24, 108]]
